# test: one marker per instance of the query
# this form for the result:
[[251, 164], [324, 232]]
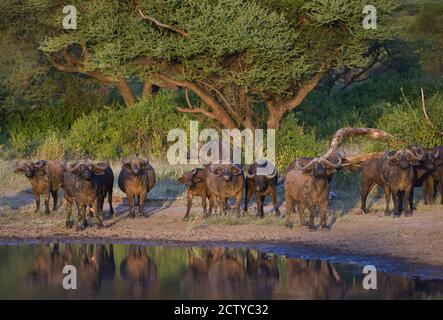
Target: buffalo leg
[[411, 200], [204, 205], [98, 207], [301, 206], [81, 216], [189, 205], [47, 196], [37, 202], [324, 212], [259, 200], [275, 202], [68, 205], [428, 191], [365, 189], [238, 200], [54, 195], [387, 191], [141, 204], [248, 197], [407, 196], [131, 200], [111, 209], [290, 203], [396, 199], [210, 206], [441, 189]]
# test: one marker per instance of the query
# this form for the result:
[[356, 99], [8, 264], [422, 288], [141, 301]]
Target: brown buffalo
[[46, 177], [136, 179], [225, 180], [195, 181], [262, 185], [82, 187], [393, 172], [307, 185]]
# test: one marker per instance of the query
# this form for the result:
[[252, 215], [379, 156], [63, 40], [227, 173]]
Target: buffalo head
[[87, 169], [31, 169], [136, 165], [320, 167], [436, 156], [189, 178], [226, 171], [405, 158], [263, 172]]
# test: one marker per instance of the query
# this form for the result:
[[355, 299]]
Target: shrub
[[294, 141], [117, 132], [52, 148], [407, 122]]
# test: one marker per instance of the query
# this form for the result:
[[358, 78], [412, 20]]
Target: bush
[[52, 148], [117, 132], [407, 122], [294, 141]]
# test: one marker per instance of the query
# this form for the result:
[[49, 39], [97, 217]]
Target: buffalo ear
[[99, 168], [196, 180]]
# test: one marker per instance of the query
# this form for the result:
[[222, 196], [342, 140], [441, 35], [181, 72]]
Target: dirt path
[[418, 239]]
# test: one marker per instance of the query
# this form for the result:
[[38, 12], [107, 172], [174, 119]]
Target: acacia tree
[[234, 55]]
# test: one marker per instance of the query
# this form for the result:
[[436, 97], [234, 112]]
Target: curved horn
[[437, 154], [74, 166], [212, 168], [420, 153], [248, 174], [417, 155], [240, 171], [40, 164], [301, 167], [331, 164], [194, 171], [392, 156], [100, 166]]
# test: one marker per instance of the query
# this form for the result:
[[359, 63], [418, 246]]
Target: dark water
[[144, 272]]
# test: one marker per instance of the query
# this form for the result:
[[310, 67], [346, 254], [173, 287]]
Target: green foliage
[[116, 132], [407, 122], [294, 141]]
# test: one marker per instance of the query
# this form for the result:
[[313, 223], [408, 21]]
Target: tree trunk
[[126, 92], [274, 118]]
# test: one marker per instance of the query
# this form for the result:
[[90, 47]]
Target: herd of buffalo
[[307, 182]]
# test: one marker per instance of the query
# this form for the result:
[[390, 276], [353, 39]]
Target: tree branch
[[164, 26]]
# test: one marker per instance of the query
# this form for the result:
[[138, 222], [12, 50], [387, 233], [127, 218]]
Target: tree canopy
[[235, 56]]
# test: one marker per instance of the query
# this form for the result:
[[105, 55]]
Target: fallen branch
[[343, 133], [425, 112]]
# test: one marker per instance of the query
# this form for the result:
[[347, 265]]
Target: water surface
[[123, 271]]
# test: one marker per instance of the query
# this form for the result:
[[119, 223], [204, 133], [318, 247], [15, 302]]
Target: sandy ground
[[418, 239]]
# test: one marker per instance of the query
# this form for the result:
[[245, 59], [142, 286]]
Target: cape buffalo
[[195, 181], [46, 177], [225, 180], [262, 185], [307, 185], [136, 179], [82, 186], [393, 172]]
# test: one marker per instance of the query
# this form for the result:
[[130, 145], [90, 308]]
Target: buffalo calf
[[195, 181]]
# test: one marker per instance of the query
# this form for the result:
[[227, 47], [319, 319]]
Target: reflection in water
[[140, 272]]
